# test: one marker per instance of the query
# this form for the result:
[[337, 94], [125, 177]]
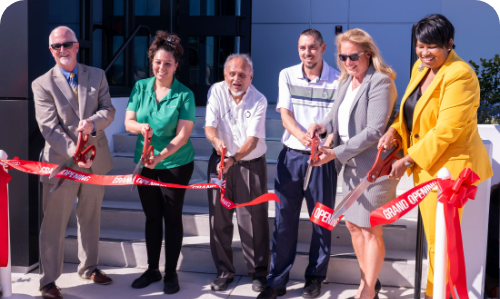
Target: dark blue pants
[[290, 173]]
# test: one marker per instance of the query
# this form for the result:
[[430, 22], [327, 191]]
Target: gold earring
[[420, 67]]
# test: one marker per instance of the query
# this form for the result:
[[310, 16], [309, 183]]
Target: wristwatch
[[408, 164], [234, 159]]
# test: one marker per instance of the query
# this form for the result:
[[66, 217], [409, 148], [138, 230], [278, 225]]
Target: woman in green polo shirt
[[167, 107]]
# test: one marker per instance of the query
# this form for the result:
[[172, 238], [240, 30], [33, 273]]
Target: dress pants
[[161, 206], [290, 172], [244, 183], [57, 208]]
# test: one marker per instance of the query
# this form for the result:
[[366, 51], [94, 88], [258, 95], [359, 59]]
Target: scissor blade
[[69, 164], [351, 198], [61, 167], [307, 177], [137, 170]]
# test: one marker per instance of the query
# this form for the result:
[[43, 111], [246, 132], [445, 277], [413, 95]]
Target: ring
[[397, 179]]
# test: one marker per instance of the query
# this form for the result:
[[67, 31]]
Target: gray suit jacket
[[370, 115], [58, 114]]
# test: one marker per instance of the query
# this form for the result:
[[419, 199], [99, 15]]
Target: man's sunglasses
[[352, 57], [66, 45]]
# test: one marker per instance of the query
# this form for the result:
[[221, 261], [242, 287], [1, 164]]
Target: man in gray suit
[[71, 98]]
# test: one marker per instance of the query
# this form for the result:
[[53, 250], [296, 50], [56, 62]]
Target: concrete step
[[128, 249], [129, 216], [125, 143]]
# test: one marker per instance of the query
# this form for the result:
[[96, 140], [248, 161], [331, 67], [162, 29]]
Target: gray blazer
[[371, 113], [58, 114]]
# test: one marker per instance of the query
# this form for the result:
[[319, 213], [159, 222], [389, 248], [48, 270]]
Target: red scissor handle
[[221, 164], [314, 155], [148, 150], [381, 166], [79, 155]]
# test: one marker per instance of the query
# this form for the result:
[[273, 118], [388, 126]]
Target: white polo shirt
[[310, 101], [236, 122]]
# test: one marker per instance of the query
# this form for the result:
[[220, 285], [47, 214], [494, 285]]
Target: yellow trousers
[[428, 212]]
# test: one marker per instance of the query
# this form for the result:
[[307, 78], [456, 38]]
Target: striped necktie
[[73, 83]]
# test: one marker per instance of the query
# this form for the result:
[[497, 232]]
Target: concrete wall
[[276, 25]]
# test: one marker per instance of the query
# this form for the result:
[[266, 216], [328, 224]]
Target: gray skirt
[[375, 196]]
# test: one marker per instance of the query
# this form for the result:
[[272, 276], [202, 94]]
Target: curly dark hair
[[167, 42]]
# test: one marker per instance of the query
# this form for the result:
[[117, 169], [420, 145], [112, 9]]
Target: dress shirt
[[236, 122]]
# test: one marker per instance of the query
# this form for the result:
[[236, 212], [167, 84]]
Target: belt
[[244, 161], [296, 150]]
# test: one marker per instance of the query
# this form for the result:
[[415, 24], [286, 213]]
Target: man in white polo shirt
[[235, 120], [306, 94]]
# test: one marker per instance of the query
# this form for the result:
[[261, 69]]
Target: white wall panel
[[329, 11], [328, 32], [385, 11], [394, 43], [478, 34], [274, 47], [281, 11]]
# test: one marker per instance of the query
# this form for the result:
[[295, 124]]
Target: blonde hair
[[365, 41]]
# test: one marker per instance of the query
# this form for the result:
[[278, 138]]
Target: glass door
[[211, 30]]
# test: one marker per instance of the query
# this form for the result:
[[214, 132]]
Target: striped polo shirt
[[310, 101]]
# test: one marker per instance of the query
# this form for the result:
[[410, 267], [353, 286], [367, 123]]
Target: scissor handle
[[85, 151], [314, 155], [147, 142], [81, 143], [221, 164], [381, 166], [79, 154], [148, 155]]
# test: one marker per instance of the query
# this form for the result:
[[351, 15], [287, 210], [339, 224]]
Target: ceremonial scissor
[[78, 156], [381, 167], [148, 152], [312, 159], [221, 164]]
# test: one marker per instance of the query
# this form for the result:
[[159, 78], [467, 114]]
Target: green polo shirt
[[163, 117]]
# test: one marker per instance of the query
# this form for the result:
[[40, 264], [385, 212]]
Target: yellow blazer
[[445, 132]]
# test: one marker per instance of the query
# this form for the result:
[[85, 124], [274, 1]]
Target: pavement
[[193, 286]]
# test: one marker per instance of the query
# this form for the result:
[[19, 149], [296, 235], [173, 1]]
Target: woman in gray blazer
[[362, 112]]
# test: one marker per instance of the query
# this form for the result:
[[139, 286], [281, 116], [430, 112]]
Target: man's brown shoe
[[99, 277], [51, 291]]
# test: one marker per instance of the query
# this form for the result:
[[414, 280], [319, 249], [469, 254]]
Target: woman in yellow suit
[[437, 120]]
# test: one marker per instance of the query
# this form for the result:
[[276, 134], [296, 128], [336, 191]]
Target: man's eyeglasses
[[66, 45], [352, 57]]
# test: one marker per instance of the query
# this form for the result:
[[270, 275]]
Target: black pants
[[164, 204]]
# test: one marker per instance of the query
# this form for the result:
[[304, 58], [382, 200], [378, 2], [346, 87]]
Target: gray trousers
[[244, 183], [57, 208]]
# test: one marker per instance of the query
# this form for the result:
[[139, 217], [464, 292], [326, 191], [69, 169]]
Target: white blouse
[[344, 110]]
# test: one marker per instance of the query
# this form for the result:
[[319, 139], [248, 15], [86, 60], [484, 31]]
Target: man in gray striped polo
[[306, 94]]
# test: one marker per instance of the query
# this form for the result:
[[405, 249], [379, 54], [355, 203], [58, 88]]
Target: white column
[[440, 255]]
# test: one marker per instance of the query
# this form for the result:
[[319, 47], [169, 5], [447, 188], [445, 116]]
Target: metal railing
[[127, 42]]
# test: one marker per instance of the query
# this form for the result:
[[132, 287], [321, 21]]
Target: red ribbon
[[454, 195], [42, 168], [322, 216], [399, 206], [4, 217]]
